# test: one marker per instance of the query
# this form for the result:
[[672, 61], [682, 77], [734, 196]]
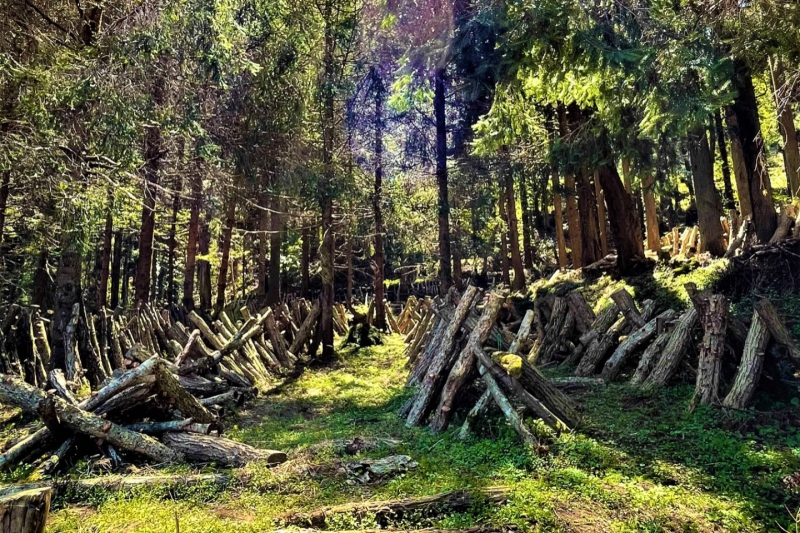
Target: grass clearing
[[640, 463]]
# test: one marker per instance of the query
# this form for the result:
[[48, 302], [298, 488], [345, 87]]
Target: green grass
[[639, 463]]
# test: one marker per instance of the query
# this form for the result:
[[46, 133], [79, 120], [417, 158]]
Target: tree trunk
[[746, 127], [623, 218], [305, 260], [194, 230], [587, 210], [601, 215], [651, 213], [445, 270], [172, 290], [791, 152], [348, 252], [207, 449], [679, 341], [513, 229], [709, 203], [504, 266], [527, 227], [227, 235], [152, 166], [713, 311], [68, 293], [723, 156], [105, 261], [263, 239], [4, 193], [377, 198], [561, 242], [276, 229], [326, 275], [204, 265]]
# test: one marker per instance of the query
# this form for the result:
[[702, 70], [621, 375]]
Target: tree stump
[[25, 511]]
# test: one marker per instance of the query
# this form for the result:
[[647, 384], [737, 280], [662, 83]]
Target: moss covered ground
[[638, 463]]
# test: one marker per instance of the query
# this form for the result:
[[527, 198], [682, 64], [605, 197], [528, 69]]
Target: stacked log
[[457, 351]]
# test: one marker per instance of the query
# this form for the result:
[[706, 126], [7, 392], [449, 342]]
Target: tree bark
[[206, 449], [172, 290], [227, 235], [713, 310], [651, 213], [518, 283], [723, 156], [679, 341], [766, 310], [204, 265], [263, 239], [105, 261], [377, 198], [305, 260], [326, 274], [561, 242], [68, 291], [791, 152], [749, 371], [445, 269], [527, 227], [152, 168], [504, 264], [746, 127], [709, 203], [25, 511], [631, 344], [587, 210], [601, 215], [194, 230], [624, 221], [276, 229]]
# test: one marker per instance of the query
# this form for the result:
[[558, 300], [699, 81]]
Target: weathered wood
[[120, 383], [784, 223], [156, 428], [206, 449], [59, 382], [630, 345], [383, 511], [678, 343], [604, 320], [25, 511], [766, 310], [25, 447], [187, 348], [650, 358], [523, 333], [544, 390], [598, 348], [31, 400], [713, 310], [584, 316], [625, 302], [465, 363], [749, 371], [306, 329], [441, 362], [551, 342]]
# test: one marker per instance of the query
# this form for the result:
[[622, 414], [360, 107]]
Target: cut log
[[25, 511], [713, 311], [31, 400], [749, 372], [523, 333], [465, 363], [547, 392], [382, 512], [306, 329], [676, 347], [584, 316], [650, 358], [598, 349], [625, 302], [157, 428], [634, 342], [784, 223], [187, 404], [206, 449], [187, 348], [59, 382], [766, 310], [127, 379], [545, 350], [27, 446], [441, 362]]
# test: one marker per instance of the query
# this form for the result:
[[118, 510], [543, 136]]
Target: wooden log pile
[[158, 389], [458, 343]]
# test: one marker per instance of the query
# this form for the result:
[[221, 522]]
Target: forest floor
[[639, 463]]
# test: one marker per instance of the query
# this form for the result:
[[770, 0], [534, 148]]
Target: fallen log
[[206, 449], [650, 358], [382, 512], [306, 329], [120, 383], [25, 511], [749, 371], [32, 400]]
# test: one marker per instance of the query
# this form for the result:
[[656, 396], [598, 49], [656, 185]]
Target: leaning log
[[476, 412], [131, 377], [634, 342], [206, 449], [306, 329], [749, 372], [678, 344], [766, 310], [523, 333], [441, 362], [584, 316], [34, 401], [625, 302], [650, 358], [189, 406], [384, 511], [39, 440], [465, 363], [25, 511]]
